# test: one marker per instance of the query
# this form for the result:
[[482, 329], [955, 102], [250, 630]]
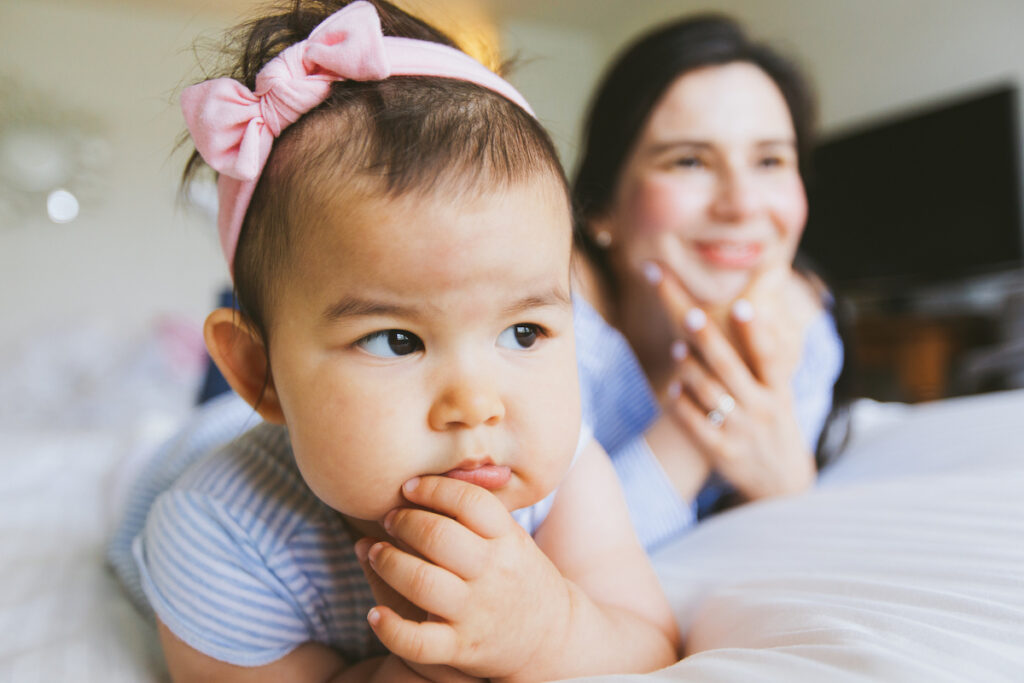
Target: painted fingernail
[[652, 273], [679, 350], [696, 319], [411, 485], [743, 310], [675, 390], [373, 616]]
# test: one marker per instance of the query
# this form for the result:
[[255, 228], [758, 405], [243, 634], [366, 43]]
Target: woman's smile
[[729, 253]]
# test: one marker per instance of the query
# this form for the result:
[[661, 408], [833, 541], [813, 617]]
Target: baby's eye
[[390, 343], [770, 162], [519, 336]]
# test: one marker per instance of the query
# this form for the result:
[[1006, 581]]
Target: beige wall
[[133, 255], [866, 57]]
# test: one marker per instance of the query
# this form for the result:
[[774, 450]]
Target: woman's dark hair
[[373, 138], [635, 83]]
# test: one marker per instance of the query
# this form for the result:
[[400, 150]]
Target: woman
[[691, 205]]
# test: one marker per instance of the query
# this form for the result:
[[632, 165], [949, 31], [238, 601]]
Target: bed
[[905, 563]]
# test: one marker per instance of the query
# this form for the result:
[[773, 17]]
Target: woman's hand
[[734, 399]]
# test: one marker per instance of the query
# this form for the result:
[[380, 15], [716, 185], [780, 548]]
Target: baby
[[421, 502]]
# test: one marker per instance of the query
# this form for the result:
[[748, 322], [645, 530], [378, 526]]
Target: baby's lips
[[490, 477]]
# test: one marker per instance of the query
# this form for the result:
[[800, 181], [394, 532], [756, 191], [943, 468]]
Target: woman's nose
[[467, 401], [737, 197]]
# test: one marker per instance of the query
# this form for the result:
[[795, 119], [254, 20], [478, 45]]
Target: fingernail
[[696, 319], [679, 350], [411, 485], [373, 616], [743, 310], [675, 390], [362, 546], [374, 551], [389, 519], [652, 273]]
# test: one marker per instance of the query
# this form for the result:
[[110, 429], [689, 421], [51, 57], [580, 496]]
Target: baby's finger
[[426, 642], [382, 592], [442, 540], [474, 507], [432, 588]]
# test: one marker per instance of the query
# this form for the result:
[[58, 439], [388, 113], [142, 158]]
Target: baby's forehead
[[448, 236]]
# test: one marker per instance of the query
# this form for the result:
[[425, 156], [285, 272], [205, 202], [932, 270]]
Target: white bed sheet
[[906, 563]]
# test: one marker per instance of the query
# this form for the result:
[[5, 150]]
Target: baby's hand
[[495, 600]]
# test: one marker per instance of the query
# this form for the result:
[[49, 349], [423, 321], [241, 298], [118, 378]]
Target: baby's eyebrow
[[556, 296], [350, 307]]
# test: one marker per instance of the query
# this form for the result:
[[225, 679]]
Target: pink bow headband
[[234, 128]]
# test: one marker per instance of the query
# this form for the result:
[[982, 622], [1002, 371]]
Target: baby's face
[[430, 335]]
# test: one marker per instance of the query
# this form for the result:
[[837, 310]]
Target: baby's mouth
[[490, 477]]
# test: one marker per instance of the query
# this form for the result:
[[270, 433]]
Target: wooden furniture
[[910, 356]]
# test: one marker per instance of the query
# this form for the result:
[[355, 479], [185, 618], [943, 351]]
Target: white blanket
[[906, 563]]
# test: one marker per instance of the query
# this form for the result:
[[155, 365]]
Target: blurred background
[[95, 249]]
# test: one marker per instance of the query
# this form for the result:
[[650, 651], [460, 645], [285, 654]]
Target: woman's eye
[[519, 336], [689, 162], [390, 343]]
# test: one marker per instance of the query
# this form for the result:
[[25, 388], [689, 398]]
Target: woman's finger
[[694, 420], [707, 392], [720, 357], [434, 589], [705, 338], [757, 343], [676, 301]]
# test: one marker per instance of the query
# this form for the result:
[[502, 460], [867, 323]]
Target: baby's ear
[[241, 357]]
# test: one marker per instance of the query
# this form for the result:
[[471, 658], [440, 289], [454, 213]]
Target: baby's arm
[[621, 619], [310, 662], [502, 608]]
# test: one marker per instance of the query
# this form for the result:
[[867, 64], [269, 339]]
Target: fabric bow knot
[[234, 128]]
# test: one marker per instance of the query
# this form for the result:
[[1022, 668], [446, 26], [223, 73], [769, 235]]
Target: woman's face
[[712, 188]]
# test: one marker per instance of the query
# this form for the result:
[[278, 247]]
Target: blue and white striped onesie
[[242, 562]]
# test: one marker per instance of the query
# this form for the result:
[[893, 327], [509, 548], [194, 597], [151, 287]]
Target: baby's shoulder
[[253, 482]]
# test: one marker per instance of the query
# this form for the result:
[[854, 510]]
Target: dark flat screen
[[921, 199]]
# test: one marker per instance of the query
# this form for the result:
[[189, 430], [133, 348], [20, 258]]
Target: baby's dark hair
[[384, 138]]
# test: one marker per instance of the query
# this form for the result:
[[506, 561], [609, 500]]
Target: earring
[[603, 238]]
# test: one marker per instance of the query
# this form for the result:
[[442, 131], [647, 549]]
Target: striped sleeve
[[656, 509], [207, 579]]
